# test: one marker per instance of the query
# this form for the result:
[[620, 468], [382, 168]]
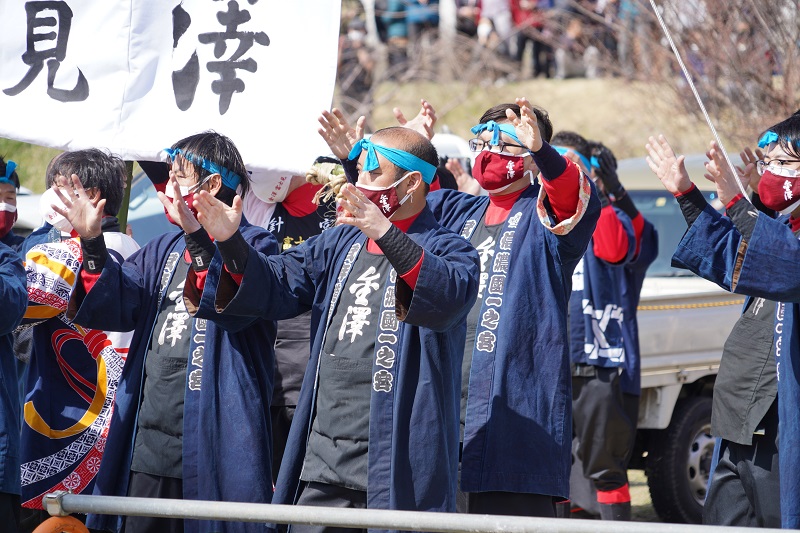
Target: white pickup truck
[[683, 324]]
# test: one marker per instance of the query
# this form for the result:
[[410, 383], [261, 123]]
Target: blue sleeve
[[273, 287], [447, 286], [115, 301], [769, 269], [710, 248], [261, 241], [13, 290]]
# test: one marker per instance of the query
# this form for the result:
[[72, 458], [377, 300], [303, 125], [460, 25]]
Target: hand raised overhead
[[84, 212], [220, 220], [422, 123], [338, 134], [669, 168], [526, 125]]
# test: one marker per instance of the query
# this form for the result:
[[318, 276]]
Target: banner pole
[[122, 216]]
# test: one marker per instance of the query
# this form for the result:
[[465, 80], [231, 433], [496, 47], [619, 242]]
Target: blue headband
[[595, 162], [229, 179], [767, 139], [561, 150], [10, 168], [496, 129], [397, 157]]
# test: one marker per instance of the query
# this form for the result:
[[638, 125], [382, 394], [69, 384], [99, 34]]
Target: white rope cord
[[699, 100]]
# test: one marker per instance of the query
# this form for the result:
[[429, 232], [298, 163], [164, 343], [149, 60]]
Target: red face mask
[[8, 215], [495, 171], [385, 197], [187, 197], [780, 193]]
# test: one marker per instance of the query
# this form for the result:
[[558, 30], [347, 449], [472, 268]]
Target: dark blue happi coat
[[14, 298], [227, 441], [518, 427], [712, 248], [413, 426], [610, 296]]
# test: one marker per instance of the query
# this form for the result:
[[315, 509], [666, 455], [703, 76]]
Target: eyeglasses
[[779, 167], [479, 145]]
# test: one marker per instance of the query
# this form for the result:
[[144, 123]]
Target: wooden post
[[122, 216]]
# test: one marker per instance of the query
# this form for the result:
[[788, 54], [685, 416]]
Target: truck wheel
[[679, 462]]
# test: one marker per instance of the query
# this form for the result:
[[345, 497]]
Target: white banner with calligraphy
[[135, 76]]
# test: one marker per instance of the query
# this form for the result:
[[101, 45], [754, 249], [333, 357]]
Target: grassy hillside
[[620, 113], [32, 161]]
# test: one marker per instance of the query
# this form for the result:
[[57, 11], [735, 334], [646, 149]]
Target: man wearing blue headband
[[604, 342], [752, 250], [530, 232], [376, 424], [191, 417]]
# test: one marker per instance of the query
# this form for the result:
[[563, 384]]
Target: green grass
[[32, 161], [620, 113]]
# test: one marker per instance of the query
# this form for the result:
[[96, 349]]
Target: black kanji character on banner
[[38, 19], [185, 80]]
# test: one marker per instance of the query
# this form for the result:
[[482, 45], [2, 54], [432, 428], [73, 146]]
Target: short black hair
[[13, 177], [97, 170], [573, 140], [498, 113], [788, 132], [220, 150], [410, 141]]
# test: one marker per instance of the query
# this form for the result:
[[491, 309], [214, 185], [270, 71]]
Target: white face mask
[[49, 198], [169, 192], [10, 208]]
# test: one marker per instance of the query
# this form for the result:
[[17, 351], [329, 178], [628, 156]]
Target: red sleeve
[[735, 199], [411, 276], [161, 187], [236, 277], [299, 202], [638, 230], [687, 191], [610, 242], [198, 279], [88, 280], [563, 191]]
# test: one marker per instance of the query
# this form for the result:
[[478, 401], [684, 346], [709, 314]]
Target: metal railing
[[63, 503]]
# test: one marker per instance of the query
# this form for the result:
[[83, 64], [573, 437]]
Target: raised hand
[[357, 210], [422, 123], [219, 219], [526, 125], [466, 183], [177, 208], [718, 171], [608, 171], [338, 134], [85, 213], [669, 168], [749, 174]]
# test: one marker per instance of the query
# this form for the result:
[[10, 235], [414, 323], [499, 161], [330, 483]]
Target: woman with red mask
[[530, 232], [749, 252]]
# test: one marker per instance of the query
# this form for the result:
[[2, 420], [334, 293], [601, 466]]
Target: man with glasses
[[744, 479], [530, 232]]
